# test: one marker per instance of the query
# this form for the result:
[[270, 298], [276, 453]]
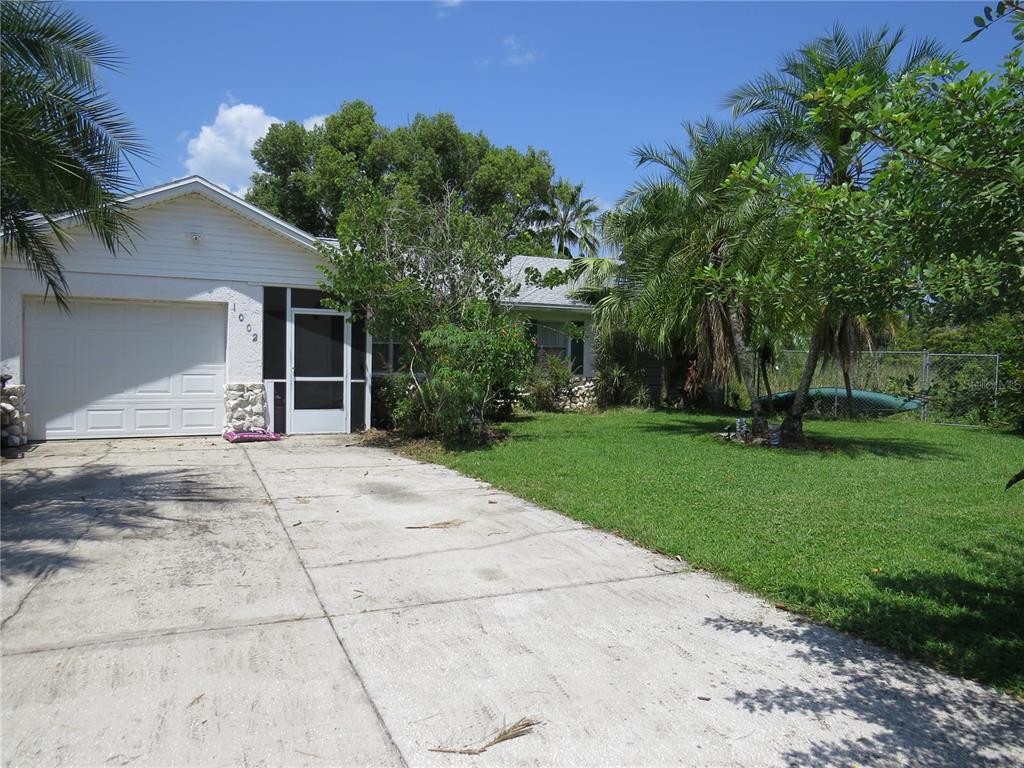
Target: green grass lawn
[[901, 532]]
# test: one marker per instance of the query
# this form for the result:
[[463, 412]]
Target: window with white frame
[[388, 356], [556, 339], [551, 340]]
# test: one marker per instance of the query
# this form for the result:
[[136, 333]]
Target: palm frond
[[777, 97], [65, 147]]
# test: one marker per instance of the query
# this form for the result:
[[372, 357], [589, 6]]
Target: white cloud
[[516, 55], [222, 152], [444, 7], [314, 121]]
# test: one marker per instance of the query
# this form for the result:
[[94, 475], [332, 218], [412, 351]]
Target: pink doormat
[[252, 436]]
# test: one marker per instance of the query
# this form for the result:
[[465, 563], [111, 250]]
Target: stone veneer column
[[13, 424], [245, 407]]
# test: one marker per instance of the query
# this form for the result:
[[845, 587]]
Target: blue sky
[[586, 81]]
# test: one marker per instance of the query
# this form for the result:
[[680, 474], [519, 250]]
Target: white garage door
[[124, 369]]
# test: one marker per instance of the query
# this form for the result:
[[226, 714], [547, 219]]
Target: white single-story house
[[214, 305], [550, 310]]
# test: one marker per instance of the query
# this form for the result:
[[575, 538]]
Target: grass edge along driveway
[[899, 532]]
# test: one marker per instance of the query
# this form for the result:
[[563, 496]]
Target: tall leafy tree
[[1011, 11], [405, 265], [947, 201], [284, 186], [65, 148], [431, 273], [571, 220], [314, 178], [949, 195], [827, 145]]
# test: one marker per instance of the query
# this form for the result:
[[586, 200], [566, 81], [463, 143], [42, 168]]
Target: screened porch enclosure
[[315, 364]]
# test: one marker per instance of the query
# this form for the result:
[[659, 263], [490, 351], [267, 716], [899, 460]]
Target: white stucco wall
[[243, 356], [193, 237], [189, 248]]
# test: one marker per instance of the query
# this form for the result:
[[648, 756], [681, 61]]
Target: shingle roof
[[529, 295], [557, 297]]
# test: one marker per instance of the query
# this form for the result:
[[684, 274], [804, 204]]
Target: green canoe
[[863, 400]]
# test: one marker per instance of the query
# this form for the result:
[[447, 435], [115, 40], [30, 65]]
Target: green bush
[[385, 394], [611, 384], [617, 385], [964, 395], [1011, 394], [548, 384], [958, 396], [620, 374], [640, 397], [472, 369]]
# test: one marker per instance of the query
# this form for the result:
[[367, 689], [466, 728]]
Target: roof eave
[[539, 305]]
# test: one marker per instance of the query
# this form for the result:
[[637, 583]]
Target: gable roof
[[198, 185], [556, 297]]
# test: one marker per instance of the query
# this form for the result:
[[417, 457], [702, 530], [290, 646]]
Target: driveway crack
[[323, 608], [70, 548]]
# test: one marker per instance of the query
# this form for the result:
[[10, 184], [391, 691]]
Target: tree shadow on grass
[[820, 445], [881, 447], [45, 512], [970, 625], [682, 424]]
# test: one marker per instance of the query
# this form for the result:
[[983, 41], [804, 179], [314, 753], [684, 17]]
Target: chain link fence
[[946, 388]]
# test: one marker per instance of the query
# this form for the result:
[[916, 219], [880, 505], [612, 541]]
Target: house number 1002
[[248, 326]]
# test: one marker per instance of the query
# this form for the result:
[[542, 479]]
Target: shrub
[[386, 392], [614, 385], [1004, 334], [1011, 394], [548, 384], [617, 385], [641, 395], [472, 368]]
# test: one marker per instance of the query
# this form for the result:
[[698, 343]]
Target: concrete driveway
[[171, 602]]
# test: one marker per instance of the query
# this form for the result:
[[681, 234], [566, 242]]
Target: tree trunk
[[767, 387], [665, 373], [793, 424], [743, 368], [849, 391]]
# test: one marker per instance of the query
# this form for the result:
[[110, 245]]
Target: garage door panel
[[104, 419], [153, 418], [199, 419], [106, 348], [51, 385], [61, 421], [203, 351], [161, 386], [99, 382], [60, 341], [125, 368], [199, 384]]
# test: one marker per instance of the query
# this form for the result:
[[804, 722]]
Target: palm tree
[[828, 147], [65, 148], [684, 237], [570, 220]]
